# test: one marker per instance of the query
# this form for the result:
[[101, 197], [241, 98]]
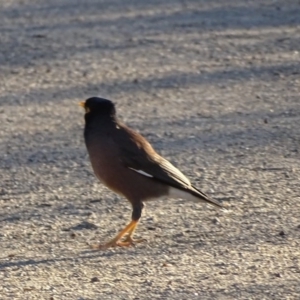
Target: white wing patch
[[141, 172]]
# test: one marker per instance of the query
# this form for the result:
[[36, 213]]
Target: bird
[[124, 161]]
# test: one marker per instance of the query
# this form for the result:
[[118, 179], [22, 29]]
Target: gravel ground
[[214, 85]]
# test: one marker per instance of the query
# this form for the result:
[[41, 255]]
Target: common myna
[[126, 163]]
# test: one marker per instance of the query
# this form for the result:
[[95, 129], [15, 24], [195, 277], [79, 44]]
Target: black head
[[98, 106]]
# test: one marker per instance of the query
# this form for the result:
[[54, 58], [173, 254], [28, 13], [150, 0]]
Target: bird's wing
[[138, 155]]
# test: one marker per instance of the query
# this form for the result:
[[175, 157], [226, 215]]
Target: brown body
[[104, 156], [126, 163]]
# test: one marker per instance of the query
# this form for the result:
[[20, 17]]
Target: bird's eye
[[87, 110]]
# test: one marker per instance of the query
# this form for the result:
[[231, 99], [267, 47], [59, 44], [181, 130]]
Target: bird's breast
[[102, 155]]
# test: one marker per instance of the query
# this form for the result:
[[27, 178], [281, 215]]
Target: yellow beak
[[82, 104]]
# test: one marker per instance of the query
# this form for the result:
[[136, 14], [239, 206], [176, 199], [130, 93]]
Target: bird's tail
[[206, 198], [193, 194]]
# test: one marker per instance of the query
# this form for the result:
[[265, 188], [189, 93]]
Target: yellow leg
[[129, 240], [129, 229]]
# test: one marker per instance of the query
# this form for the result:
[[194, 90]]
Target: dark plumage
[[125, 162]]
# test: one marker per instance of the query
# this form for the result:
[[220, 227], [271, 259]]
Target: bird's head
[[98, 106]]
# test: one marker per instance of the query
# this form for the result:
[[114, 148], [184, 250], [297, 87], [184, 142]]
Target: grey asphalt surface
[[214, 85]]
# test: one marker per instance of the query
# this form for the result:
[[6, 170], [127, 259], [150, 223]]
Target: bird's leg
[[116, 240], [128, 240], [136, 215], [128, 230]]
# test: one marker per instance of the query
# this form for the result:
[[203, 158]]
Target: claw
[[128, 241], [120, 240]]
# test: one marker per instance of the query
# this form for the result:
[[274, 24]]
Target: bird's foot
[[123, 238], [126, 242], [129, 241]]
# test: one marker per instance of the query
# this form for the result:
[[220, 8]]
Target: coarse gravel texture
[[214, 85]]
